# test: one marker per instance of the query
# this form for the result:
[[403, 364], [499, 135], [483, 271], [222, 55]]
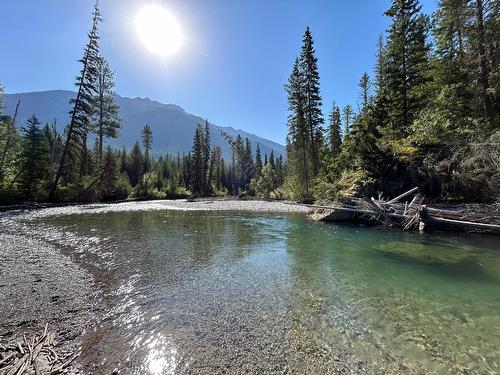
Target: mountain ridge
[[173, 127]]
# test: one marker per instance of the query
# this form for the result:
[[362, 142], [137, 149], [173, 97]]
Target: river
[[226, 292]]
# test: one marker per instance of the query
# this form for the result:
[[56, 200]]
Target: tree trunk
[[483, 67]]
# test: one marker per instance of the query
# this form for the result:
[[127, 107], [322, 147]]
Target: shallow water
[[207, 292]]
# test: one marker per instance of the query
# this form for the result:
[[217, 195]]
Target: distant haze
[[173, 128]]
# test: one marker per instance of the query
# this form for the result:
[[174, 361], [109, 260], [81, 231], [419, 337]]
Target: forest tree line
[[428, 117], [38, 163]]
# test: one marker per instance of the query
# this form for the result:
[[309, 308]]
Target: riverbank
[[247, 293], [177, 204], [40, 285]]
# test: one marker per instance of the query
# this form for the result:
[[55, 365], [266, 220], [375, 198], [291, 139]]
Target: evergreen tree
[[110, 174], [147, 141], [197, 162], [54, 142], [335, 130], [481, 48], [407, 64], [248, 162], [271, 159], [312, 98], [123, 160], [348, 118], [9, 150], [108, 122], [34, 158], [380, 66], [258, 161], [206, 160], [298, 140], [135, 165], [84, 103], [364, 87]]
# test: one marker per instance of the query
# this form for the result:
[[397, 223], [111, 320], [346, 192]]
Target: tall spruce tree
[[135, 164], [365, 90], [206, 159], [35, 154], [334, 130], [84, 103], [197, 162], [298, 138], [147, 141], [380, 66], [258, 161], [481, 48], [312, 106], [407, 64], [348, 118], [108, 122]]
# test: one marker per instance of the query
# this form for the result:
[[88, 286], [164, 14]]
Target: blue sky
[[231, 68]]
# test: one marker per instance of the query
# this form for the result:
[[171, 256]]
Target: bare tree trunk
[[483, 66]]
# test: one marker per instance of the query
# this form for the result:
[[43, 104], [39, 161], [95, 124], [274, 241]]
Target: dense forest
[[428, 117]]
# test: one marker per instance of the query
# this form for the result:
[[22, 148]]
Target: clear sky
[[231, 68]]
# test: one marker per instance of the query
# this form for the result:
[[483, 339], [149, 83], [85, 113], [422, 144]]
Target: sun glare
[[158, 30]]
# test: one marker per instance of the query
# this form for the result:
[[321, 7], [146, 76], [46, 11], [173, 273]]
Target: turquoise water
[[205, 292]]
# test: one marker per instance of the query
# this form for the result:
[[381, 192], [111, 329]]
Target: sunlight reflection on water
[[206, 292], [162, 357]]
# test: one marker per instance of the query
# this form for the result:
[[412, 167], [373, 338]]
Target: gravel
[[39, 285], [178, 204]]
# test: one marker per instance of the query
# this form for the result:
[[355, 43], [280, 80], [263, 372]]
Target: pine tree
[[110, 173], [108, 122], [335, 130], [248, 162], [84, 103], [54, 141], [407, 64], [123, 160], [147, 141], [364, 90], [206, 160], [481, 47], [298, 141], [34, 158], [380, 66], [312, 105], [135, 165], [197, 162], [271, 159], [348, 118], [456, 98], [9, 150], [258, 161]]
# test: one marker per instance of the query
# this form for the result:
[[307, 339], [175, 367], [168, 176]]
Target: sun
[[158, 30]]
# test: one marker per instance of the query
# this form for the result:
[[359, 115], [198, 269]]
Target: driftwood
[[25, 356], [414, 215]]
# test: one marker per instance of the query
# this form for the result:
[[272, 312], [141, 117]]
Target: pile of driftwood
[[35, 355], [412, 214]]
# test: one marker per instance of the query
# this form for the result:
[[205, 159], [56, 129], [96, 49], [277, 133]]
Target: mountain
[[173, 128]]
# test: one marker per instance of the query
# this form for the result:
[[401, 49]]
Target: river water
[[222, 292]]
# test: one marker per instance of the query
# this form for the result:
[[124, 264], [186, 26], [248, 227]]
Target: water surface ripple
[[208, 292]]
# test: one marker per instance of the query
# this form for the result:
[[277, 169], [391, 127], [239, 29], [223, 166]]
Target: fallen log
[[439, 221], [402, 195]]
